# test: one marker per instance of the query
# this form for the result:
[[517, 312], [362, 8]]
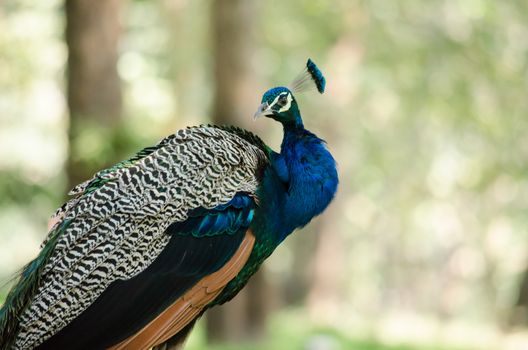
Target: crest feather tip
[[316, 75]]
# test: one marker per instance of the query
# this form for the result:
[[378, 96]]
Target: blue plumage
[[227, 218], [310, 186]]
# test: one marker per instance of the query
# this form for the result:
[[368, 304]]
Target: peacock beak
[[262, 110]]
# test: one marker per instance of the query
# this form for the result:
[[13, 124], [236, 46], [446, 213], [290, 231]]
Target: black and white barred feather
[[116, 223]]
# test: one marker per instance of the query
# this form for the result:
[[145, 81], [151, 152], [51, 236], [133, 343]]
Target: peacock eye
[[282, 101]]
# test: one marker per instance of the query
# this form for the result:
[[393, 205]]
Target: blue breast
[[299, 185]]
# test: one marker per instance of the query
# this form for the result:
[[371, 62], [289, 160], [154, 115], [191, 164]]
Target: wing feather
[[186, 308], [119, 218]]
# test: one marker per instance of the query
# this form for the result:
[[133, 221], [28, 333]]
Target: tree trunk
[[94, 90], [234, 95], [231, 39]]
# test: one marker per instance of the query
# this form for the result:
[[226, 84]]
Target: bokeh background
[[425, 246]]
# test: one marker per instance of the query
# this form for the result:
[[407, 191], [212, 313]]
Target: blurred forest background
[[426, 244]]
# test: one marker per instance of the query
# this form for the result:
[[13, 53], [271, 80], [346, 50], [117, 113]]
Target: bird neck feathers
[[311, 173]]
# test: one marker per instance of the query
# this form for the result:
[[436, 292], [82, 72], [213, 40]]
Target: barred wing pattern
[[114, 231]]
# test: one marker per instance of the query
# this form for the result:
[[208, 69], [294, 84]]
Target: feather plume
[[310, 77]]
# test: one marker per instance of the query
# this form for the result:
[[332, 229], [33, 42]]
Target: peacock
[[145, 247]]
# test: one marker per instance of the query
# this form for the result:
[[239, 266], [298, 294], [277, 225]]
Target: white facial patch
[[288, 103]]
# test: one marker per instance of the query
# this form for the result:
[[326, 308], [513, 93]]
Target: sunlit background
[[425, 246]]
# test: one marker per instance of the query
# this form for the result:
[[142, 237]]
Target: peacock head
[[280, 104]]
